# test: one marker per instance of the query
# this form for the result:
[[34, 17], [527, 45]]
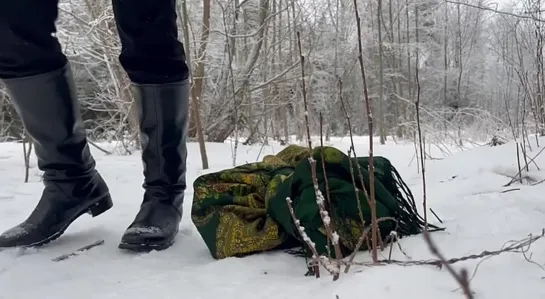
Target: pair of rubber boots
[[48, 107]]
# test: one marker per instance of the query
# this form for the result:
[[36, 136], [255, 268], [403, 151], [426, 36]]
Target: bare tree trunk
[[382, 122], [197, 77], [409, 68]]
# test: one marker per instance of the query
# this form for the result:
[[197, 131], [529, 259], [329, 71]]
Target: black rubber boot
[[163, 112], [50, 113]]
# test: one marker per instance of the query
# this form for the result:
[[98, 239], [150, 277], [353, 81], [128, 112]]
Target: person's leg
[[150, 50], [28, 47], [39, 82], [154, 60]]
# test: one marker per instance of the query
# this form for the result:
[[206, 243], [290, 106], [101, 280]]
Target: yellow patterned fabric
[[230, 207]]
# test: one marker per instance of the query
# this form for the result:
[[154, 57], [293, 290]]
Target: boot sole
[[144, 247], [95, 209]]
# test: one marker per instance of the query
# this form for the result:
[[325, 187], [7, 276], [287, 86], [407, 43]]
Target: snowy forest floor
[[464, 189]]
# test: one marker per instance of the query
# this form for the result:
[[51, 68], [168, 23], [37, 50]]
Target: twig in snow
[[395, 239], [524, 155], [514, 247], [304, 87], [82, 249], [537, 183], [519, 173], [433, 212], [316, 259], [461, 278], [351, 151], [526, 158], [26, 154], [328, 195], [518, 163], [522, 250], [368, 105], [331, 234], [326, 219], [365, 237], [98, 147], [452, 178], [419, 128]]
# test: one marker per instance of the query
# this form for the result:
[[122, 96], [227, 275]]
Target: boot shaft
[[163, 111], [48, 107]]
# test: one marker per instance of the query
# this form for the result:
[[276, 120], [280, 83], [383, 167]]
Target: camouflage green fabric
[[243, 210]]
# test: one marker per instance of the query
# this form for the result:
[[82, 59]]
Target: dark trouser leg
[[39, 82], [151, 52], [27, 46], [155, 62]]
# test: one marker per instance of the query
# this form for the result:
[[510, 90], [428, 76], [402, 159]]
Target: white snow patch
[[465, 190]]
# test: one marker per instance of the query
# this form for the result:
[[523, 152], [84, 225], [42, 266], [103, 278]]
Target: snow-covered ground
[[465, 190]]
